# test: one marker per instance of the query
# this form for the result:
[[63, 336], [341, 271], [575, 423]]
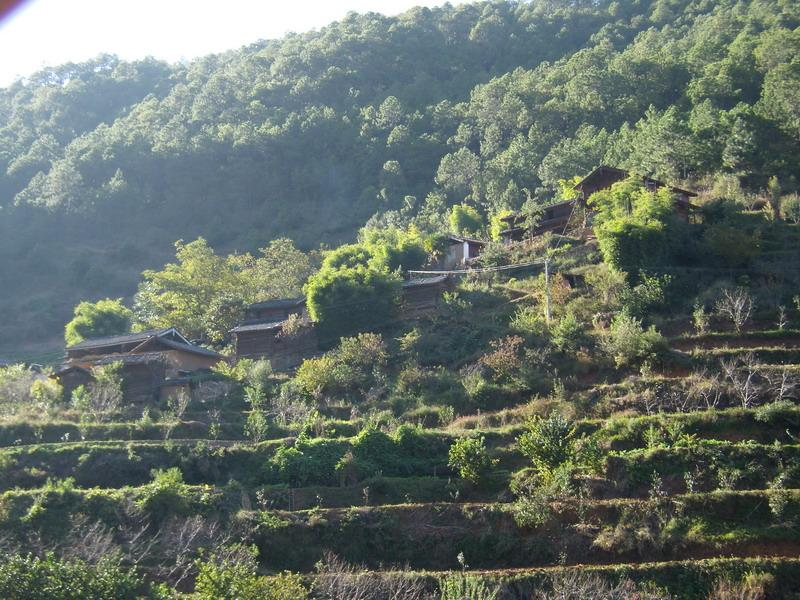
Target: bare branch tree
[[783, 320], [742, 374], [578, 584], [736, 305], [338, 580], [176, 407], [782, 384], [705, 389]]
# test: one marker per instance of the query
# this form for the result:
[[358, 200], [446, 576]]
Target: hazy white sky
[[50, 32]]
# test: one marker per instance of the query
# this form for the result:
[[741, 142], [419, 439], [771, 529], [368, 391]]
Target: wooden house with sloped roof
[[460, 251], [424, 295], [555, 217], [265, 333], [275, 310], [148, 359]]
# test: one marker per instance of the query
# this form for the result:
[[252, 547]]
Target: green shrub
[[232, 574], [461, 586], [534, 494], [48, 393], [165, 495], [348, 371], [50, 511], [649, 295], [465, 220], [790, 208], [470, 457], [568, 333], [375, 452], [547, 442], [628, 343], [347, 300], [98, 319], [732, 246], [529, 320], [309, 461], [47, 578]]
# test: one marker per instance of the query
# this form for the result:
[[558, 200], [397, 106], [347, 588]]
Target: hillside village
[[515, 407], [479, 301], [162, 359]]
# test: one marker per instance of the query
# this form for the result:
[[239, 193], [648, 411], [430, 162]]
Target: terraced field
[[676, 499]]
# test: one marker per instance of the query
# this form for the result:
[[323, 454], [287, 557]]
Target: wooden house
[[604, 177], [148, 359], [270, 341], [556, 216], [460, 252], [423, 296], [273, 311]]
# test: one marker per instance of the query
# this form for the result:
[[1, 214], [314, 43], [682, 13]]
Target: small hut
[[423, 296]]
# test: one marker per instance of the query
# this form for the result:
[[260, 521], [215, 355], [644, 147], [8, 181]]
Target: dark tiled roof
[[281, 303], [422, 282], [66, 368], [190, 348], [130, 338], [258, 327], [145, 358], [514, 217], [602, 168], [461, 239]]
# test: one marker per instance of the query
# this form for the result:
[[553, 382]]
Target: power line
[[538, 261]]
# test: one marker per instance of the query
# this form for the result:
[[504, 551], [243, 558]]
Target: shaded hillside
[[104, 164]]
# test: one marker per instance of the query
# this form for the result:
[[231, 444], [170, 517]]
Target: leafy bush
[[309, 461], [15, 386], [165, 495], [505, 359], [98, 319], [460, 586], [637, 239], [465, 220], [628, 343], [649, 295], [732, 246], [392, 248], [433, 387], [348, 371], [790, 208], [47, 393], [568, 333], [529, 320], [35, 578], [701, 319], [232, 574], [102, 396], [346, 300], [50, 511], [548, 442], [534, 494], [606, 285], [375, 452], [470, 456]]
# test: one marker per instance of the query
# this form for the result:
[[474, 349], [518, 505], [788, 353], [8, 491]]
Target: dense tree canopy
[[204, 294], [633, 224], [104, 163], [98, 319]]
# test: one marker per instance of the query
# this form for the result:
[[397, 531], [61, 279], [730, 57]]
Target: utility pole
[[547, 314]]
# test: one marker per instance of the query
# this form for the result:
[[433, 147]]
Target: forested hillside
[[104, 164]]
